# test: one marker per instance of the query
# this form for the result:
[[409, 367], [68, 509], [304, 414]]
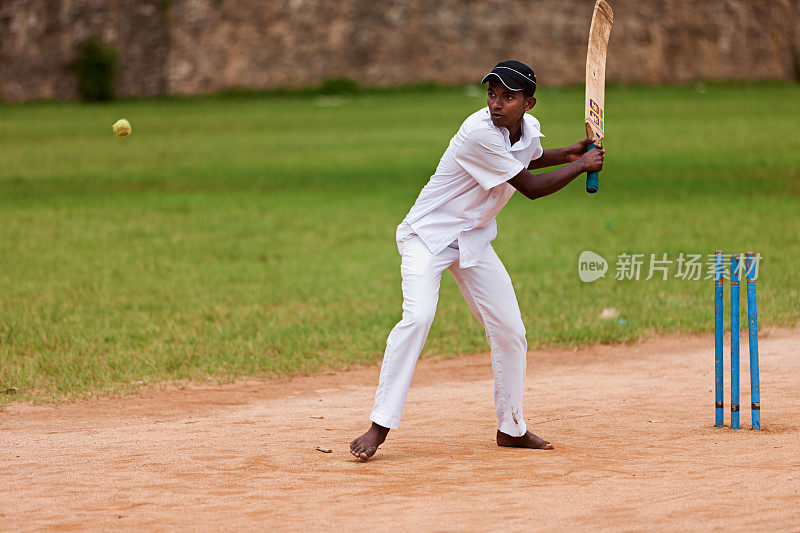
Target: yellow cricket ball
[[122, 128]]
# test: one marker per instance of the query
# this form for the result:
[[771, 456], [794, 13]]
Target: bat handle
[[592, 180]]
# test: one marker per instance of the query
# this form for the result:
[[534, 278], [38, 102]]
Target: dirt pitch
[[632, 427]]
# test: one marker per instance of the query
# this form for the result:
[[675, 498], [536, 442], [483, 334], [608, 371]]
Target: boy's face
[[507, 106]]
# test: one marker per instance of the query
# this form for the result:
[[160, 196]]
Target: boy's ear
[[529, 103]]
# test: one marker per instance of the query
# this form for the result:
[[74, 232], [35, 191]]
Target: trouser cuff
[[510, 428], [391, 422]]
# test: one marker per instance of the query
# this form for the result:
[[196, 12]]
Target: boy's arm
[[538, 185], [559, 156]]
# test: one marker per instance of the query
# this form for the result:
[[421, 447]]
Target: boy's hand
[[593, 159], [576, 151]]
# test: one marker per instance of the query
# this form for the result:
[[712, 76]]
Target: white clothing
[[450, 227], [468, 189], [487, 289]]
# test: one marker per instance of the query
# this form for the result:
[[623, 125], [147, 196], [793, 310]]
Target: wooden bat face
[[602, 18]]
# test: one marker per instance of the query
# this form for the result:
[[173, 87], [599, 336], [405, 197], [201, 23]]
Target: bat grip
[[592, 179]]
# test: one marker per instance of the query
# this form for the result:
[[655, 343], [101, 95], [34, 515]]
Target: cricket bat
[[599, 31]]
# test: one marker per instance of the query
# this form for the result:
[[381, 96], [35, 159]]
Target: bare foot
[[528, 440], [367, 444]]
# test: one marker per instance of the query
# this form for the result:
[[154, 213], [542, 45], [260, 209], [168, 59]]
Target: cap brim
[[505, 82]]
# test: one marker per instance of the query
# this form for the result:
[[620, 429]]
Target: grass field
[[256, 235]]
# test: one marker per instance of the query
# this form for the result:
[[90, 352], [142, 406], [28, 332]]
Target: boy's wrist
[[579, 166]]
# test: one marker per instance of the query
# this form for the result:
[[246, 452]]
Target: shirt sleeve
[[536, 143], [483, 156], [537, 150]]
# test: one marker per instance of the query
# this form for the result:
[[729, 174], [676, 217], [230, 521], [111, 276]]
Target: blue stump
[[734, 341], [719, 283], [752, 328]]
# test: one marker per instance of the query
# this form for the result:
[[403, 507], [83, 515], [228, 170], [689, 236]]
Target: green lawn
[[256, 235]]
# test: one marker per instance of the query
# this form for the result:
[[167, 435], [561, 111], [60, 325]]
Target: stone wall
[[199, 46]]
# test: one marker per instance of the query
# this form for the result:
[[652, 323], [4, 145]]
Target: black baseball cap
[[514, 75]]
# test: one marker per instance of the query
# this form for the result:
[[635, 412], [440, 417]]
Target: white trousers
[[488, 291]]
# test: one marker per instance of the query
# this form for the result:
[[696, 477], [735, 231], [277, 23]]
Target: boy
[[451, 226]]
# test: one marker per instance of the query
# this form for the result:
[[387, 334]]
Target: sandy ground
[[632, 425]]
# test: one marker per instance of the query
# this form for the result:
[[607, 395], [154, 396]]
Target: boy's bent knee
[[419, 317], [509, 333], [518, 332]]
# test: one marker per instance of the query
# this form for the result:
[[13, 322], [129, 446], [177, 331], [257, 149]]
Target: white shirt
[[468, 189]]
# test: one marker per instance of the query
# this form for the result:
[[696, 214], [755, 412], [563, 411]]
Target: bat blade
[[599, 33], [594, 112]]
